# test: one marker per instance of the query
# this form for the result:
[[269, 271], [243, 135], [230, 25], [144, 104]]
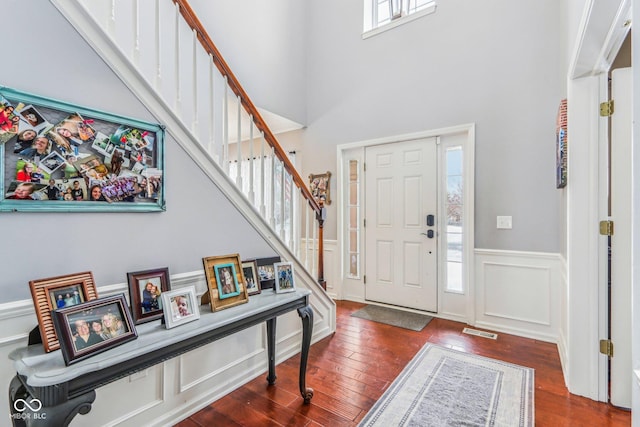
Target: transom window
[[386, 14]]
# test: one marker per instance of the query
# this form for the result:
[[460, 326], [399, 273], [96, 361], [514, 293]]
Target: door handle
[[429, 234]]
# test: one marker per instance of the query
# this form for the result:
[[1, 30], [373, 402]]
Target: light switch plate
[[504, 222]]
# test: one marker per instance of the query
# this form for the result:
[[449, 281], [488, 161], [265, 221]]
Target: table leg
[[271, 350], [306, 314], [29, 411]]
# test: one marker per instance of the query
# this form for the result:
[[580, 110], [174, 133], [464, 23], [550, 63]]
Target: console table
[[45, 392]]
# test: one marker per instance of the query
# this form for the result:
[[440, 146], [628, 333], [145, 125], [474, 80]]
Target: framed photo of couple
[[145, 293], [58, 156]]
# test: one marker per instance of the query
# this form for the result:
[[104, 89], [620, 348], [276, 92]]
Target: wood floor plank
[[351, 369]]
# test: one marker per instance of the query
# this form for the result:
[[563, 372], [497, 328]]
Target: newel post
[[321, 216]]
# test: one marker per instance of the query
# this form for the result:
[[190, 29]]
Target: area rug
[[445, 387], [390, 316]]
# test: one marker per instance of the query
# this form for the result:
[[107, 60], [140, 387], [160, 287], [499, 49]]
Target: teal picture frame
[[227, 283], [56, 156]]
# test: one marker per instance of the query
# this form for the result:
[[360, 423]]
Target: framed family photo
[[225, 280], [284, 277], [252, 282], [55, 293], [56, 156], [181, 306], [266, 272], [319, 185], [145, 293], [93, 327]]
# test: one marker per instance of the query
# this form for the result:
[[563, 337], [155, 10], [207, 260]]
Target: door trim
[[354, 291]]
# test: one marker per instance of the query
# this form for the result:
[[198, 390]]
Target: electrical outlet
[[504, 222]]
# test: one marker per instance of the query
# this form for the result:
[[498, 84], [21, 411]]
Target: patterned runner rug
[[444, 387]]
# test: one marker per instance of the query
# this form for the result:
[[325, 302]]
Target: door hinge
[[364, 223], [606, 347], [364, 167], [365, 279], [606, 228], [606, 108]]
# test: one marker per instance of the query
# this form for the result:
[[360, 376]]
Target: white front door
[[620, 197], [401, 202]]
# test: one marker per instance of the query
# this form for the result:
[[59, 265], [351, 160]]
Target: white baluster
[[238, 147], [225, 127], [273, 190], [136, 32], [157, 47], [291, 212], [212, 138], [283, 194], [194, 77], [177, 64], [252, 195], [263, 206], [314, 244]]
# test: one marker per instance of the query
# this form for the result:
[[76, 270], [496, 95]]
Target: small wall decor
[[320, 187], [250, 271], [59, 292], [145, 293], [561, 145], [181, 306], [92, 327], [225, 280], [56, 156], [284, 277]]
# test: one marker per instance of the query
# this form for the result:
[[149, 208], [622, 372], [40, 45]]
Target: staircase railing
[[173, 54], [318, 210]]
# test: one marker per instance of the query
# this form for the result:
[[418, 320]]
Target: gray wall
[[52, 60], [496, 63]]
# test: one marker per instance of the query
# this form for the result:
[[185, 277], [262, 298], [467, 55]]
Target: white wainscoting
[[331, 264], [171, 391], [519, 293]]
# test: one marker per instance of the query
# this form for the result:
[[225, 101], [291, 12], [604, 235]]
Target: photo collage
[[54, 155]]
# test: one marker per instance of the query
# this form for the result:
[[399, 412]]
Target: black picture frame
[[146, 303], [266, 272], [112, 313]]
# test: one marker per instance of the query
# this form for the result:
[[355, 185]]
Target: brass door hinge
[[606, 347], [606, 108], [606, 228]]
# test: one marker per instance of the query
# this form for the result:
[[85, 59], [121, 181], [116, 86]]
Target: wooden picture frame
[[105, 322], [145, 293], [217, 298], [284, 277], [82, 159], [181, 306], [266, 272], [252, 282], [47, 292], [320, 187]]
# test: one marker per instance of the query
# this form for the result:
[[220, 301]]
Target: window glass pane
[[353, 194], [454, 211], [353, 265], [353, 241], [353, 170], [353, 217], [454, 276], [383, 12]]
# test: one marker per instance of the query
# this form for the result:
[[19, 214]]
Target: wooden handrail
[[194, 23], [320, 211]]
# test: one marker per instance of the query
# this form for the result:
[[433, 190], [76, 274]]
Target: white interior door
[[401, 200], [621, 135]]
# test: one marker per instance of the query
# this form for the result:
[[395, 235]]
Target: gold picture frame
[[55, 293], [320, 187], [213, 267]]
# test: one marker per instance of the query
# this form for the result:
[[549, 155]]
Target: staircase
[[169, 62]]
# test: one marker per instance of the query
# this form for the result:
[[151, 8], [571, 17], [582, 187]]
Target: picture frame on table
[[266, 272], [59, 292], [217, 269], [181, 306], [284, 277], [145, 293], [252, 281], [94, 326], [68, 143]]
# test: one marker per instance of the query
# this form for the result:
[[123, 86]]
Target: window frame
[[371, 27]]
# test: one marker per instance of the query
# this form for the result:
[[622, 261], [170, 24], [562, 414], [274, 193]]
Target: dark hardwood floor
[[351, 369]]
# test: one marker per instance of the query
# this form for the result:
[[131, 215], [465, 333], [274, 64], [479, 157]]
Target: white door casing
[[621, 136], [401, 191]]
